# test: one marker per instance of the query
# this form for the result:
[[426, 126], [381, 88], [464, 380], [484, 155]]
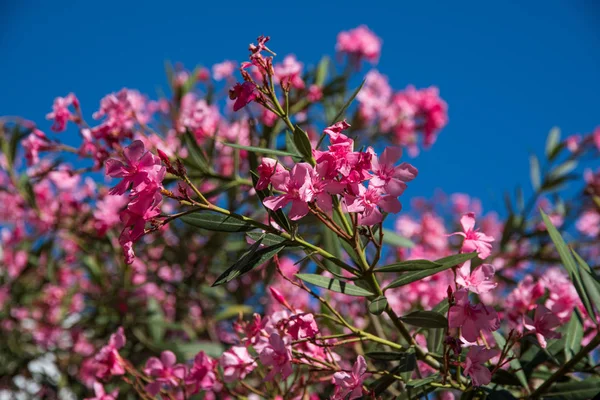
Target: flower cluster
[[368, 184]]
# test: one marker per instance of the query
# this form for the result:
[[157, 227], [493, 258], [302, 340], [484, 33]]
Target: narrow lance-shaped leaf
[[260, 150], [573, 334], [409, 266], [534, 172], [195, 152], [552, 143], [303, 145], [378, 306], [253, 258], [334, 285], [446, 263], [217, 222], [569, 263], [393, 239], [426, 319]]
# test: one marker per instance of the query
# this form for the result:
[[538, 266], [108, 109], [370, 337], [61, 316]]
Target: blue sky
[[509, 71]]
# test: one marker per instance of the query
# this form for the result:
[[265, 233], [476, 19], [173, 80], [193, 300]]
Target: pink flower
[[33, 144], [165, 371], [348, 386], [389, 177], [314, 93], [139, 168], [242, 94], [543, 322], [472, 319], [479, 281], [596, 137], [236, 363], [121, 112], [301, 326], [202, 374], [277, 354], [366, 201], [266, 169], [101, 394], [198, 116], [474, 240], [374, 96], [573, 142], [589, 223], [60, 112], [290, 72], [223, 70], [474, 367], [297, 188], [359, 43], [108, 360]]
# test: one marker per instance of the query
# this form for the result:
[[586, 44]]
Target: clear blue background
[[509, 71]]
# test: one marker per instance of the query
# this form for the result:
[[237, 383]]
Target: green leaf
[[409, 266], [331, 243], [334, 285], [378, 305], [573, 335], [260, 150], [195, 152], [321, 72], [552, 143], [534, 172], [188, 350], [408, 360], [515, 364], [576, 390], [253, 258], [232, 312], [393, 239], [217, 222], [589, 280], [562, 170], [435, 340], [446, 263], [291, 147], [426, 319], [156, 320], [268, 239], [569, 263], [416, 383], [302, 143]]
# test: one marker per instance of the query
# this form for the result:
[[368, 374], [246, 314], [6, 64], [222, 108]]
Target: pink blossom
[[278, 355], [223, 70], [359, 43], [474, 240], [236, 363], [33, 144], [101, 394], [472, 319], [573, 142], [596, 137], [290, 72], [139, 168], [164, 371], [297, 188], [121, 112], [474, 367], [108, 359], [479, 281], [392, 179], [266, 169], [60, 112], [314, 93], [589, 223], [348, 386], [366, 201], [202, 374], [242, 94], [374, 95], [198, 116], [544, 321], [301, 326]]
